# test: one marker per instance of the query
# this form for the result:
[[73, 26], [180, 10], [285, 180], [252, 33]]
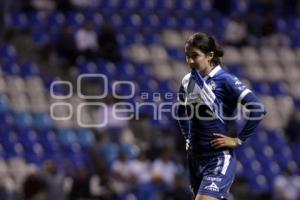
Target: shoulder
[[230, 79], [227, 76]]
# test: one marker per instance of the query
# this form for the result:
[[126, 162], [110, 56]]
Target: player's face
[[195, 58]]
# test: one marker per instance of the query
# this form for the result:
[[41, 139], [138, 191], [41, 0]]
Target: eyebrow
[[192, 53]]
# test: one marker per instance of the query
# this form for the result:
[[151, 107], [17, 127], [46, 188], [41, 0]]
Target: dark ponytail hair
[[206, 44]]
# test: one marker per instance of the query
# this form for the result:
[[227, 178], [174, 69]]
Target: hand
[[222, 141]]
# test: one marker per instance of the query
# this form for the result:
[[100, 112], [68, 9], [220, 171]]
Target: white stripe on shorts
[[227, 157]]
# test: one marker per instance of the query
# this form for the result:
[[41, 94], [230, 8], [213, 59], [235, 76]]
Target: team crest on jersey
[[212, 85]]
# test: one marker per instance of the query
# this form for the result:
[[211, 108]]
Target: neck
[[207, 70]]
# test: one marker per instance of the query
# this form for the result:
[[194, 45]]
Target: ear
[[210, 55]]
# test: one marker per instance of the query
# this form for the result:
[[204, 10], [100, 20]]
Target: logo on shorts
[[212, 187]]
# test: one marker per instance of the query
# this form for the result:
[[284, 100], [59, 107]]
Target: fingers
[[218, 143], [219, 135]]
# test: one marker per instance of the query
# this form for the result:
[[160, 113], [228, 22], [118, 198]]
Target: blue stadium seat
[[29, 69], [67, 137], [4, 103], [132, 20], [18, 20], [147, 6], [281, 25], [75, 19], [144, 70], [85, 137], [110, 152], [176, 53], [87, 67], [56, 19], [23, 119], [168, 22], [115, 19], [205, 24], [108, 69], [9, 141], [48, 140], [97, 19], [126, 71], [11, 68], [28, 137], [278, 88], [167, 86], [42, 120], [37, 19], [40, 37], [237, 70], [151, 37], [7, 119], [8, 52], [130, 150], [151, 21], [187, 23], [260, 87], [202, 7], [259, 184]]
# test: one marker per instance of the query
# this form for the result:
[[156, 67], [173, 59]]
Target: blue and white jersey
[[205, 102]]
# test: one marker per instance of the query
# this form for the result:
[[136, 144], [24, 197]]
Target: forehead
[[190, 50]]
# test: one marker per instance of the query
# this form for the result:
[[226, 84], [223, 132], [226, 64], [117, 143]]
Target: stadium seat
[[172, 39], [110, 152], [75, 19], [29, 69], [17, 20], [87, 68], [176, 53], [7, 120], [85, 137], [19, 102], [37, 19], [232, 55], [255, 71], [8, 52], [287, 55], [162, 70], [23, 119], [4, 103], [15, 85], [11, 68], [67, 137], [3, 87], [204, 23], [157, 52], [42, 120], [250, 54], [56, 19], [138, 53]]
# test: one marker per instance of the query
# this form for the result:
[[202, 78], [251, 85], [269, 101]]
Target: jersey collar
[[213, 72]]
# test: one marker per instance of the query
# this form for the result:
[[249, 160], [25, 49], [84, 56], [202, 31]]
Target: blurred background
[[43, 41]]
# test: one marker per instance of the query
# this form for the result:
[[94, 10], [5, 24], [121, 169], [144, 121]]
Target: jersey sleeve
[[241, 94], [236, 88]]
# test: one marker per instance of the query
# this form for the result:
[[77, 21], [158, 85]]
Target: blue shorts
[[212, 175]]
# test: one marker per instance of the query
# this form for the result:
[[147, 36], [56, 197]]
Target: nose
[[190, 61]]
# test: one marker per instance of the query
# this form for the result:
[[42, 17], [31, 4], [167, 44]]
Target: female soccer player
[[208, 98]]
